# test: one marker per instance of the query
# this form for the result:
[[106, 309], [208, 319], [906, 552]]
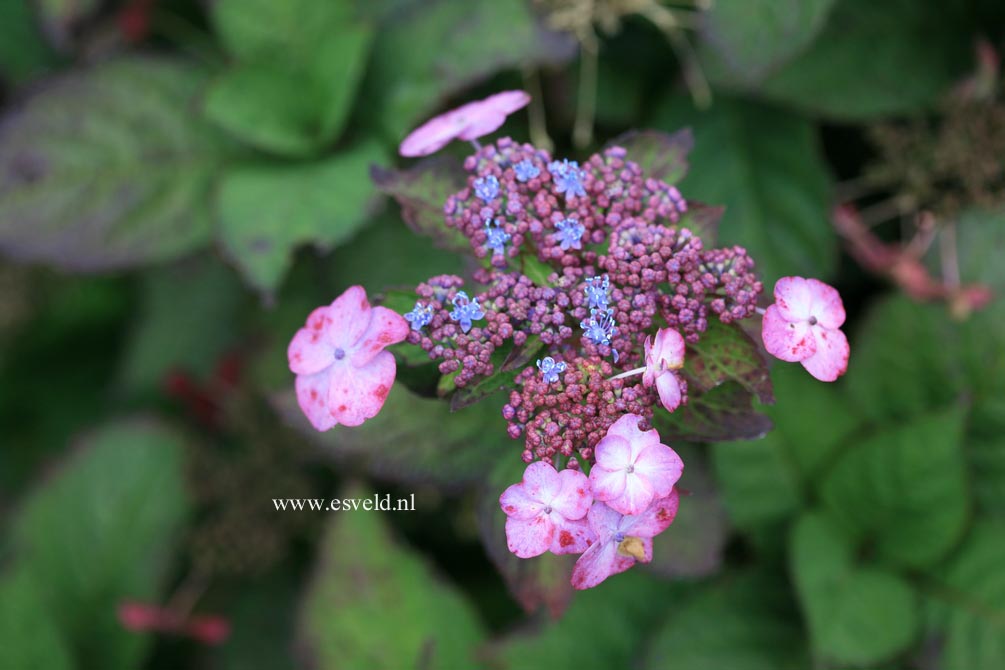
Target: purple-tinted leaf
[[724, 413], [662, 156], [703, 221], [726, 353]]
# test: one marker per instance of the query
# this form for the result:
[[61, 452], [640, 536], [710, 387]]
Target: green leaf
[[376, 604], [904, 490], [969, 599], [877, 58], [23, 51], [101, 530], [741, 622], [759, 485], [724, 413], [726, 353], [615, 618], [432, 49], [662, 156], [766, 167], [414, 439], [856, 614], [29, 636], [509, 362], [108, 167], [542, 581], [266, 211], [422, 190], [742, 41]]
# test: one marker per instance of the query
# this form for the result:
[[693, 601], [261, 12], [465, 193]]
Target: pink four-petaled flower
[[621, 540], [467, 122], [803, 325], [633, 468], [546, 512], [665, 355], [343, 372]]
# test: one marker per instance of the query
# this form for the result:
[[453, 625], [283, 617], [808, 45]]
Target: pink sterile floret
[[633, 468], [621, 540], [467, 122], [546, 512], [803, 325], [664, 355], [343, 372]]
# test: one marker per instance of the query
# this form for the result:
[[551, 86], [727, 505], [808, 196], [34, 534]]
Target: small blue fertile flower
[[465, 310], [497, 238], [568, 178], [420, 316], [570, 233], [550, 370], [487, 188], [525, 170], [600, 328], [596, 291]]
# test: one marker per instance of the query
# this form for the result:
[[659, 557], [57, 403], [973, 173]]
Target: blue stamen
[[465, 310], [550, 369], [570, 233], [420, 316]]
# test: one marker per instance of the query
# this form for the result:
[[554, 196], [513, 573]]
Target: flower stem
[[630, 373]]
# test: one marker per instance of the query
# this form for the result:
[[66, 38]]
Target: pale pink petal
[[517, 504], [669, 347], [794, 297], [575, 497], [603, 520], [386, 327], [357, 394], [310, 351], [508, 102], [613, 452], [431, 136], [831, 358], [636, 497], [542, 482], [312, 395], [827, 306], [571, 537], [607, 484], [661, 466], [349, 317], [786, 340], [529, 537], [598, 563], [652, 366], [655, 519], [627, 428], [489, 114], [668, 386]]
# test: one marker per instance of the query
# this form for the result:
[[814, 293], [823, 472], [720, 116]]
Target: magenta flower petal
[[348, 317], [574, 498], [517, 504], [529, 537], [312, 396], [608, 484], [358, 394], [656, 518], [572, 537], [794, 298], [629, 479], [386, 327], [668, 387], [613, 452], [467, 122], [789, 341], [637, 496], [627, 428], [309, 350], [542, 481], [827, 306], [662, 467], [598, 563], [831, 358], [492, 113]]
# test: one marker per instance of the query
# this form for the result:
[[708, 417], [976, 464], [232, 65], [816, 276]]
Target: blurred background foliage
[[182, 181]]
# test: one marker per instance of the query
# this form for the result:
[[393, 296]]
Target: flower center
[[619, 538], [339, 354], [813, 320], [630, 469], [547, 510]]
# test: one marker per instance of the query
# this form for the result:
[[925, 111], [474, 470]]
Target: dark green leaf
[[662, 156], [29, 636], [724, 413], [23, 51], [857, 614], [726, 353], [766, 167], [108, 167], [267, 211]]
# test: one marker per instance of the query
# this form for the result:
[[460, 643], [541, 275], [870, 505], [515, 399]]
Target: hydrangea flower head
[[568, 178], [546, 512], [343, 372], [621, 540], [633, 468], [550, 370], [804, 325], [466, 310], [467, 122], [665, 354]]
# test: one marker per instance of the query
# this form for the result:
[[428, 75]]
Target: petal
[[637, 496], [357, 394], [487, 121], [349, 317], [542, 482], [669, 347], [668, 386], [794, 297], [827, 306], [529, 537], [786, 340], [431, 136], [312, 394], [386, 327], [603, 520], [309, 350], [613, 452], [598, 563], [607, 484], [508, 102], [517, 504], [831, 358], [575, 497], [654, 520], [486, 116], [661, 466], [627, 428], [571, 537]]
